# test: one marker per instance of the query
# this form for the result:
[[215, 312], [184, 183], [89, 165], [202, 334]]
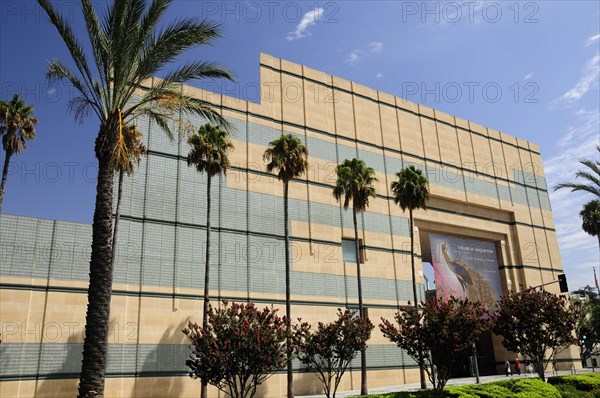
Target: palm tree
[[411, 192], [288, 155], [592, 176], [355, 182], [129, 149], [128, 49], [209, 153], [590, 213], [17, 125]]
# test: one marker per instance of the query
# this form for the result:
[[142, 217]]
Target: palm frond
[[198, 70], [594, 166], [209, 151], [288, 155], [410, 189], [578, 187], [162, 121], [81, 108], [75, 49], [57, 71], [172, 41], [98, 39], [355, 182], [17, 124], [588, 176]]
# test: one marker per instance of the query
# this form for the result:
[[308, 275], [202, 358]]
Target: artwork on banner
[[465, 268]]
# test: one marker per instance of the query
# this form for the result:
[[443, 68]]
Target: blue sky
[[529, 69]]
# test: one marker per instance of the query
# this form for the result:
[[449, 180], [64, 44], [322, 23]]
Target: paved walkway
[[451, 382]]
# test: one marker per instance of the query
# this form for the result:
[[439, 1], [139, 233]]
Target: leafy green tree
[[17, 126], [436, 336], [355, 183], [411, 192], [287, 155], [238, 349], [210, 154], [592, 177], [588, 323], [535, 322], [115, 84], [590, 214], [329, 349], [586, 292]]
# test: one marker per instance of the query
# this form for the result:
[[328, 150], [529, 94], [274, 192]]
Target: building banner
[[465, 268]]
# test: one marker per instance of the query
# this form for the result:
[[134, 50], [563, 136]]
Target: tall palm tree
[[287, 155], [129, 149], [128, 49], [209, 153], [592, 177], [590, 214], [17, 125], [411, 192], [355, 183]]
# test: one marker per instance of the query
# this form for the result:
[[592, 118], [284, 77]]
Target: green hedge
[[520, 388], [584, 382]]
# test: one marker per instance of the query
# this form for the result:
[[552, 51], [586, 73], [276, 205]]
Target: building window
[[356, 313], [349, 251]]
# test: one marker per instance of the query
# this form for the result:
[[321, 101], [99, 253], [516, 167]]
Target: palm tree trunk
[[4, 176], [361, 310], [204, 387], [288, 305], [117, 217], [414, 283], [95, 345]]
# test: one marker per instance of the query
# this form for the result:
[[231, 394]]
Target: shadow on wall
[[59, 367], [307, 383], [159, 369], [162, 372]]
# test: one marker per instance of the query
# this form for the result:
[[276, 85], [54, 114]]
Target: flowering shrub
[[534, 322], [239, 349], [441, 331], [330, 348]]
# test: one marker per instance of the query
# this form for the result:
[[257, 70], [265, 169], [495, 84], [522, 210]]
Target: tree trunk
[[204, 384], [4, 176], [288, 305], [117, 217], [539, 366], [414, 283], [363, 352], [95, 345]]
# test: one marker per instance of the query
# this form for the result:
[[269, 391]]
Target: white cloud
[[354, 57], [588, 81], [590, 40], [528, 76], [376, 47], [309, 19], [379, 75], [579, 251], [358, 54]]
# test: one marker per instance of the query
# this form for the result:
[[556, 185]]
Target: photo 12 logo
[[452, 12], [269, 11], [471, 92]]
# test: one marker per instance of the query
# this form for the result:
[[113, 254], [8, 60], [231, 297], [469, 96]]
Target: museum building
[[489, 210]]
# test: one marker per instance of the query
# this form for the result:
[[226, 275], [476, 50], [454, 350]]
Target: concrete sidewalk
[[451, 382]]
